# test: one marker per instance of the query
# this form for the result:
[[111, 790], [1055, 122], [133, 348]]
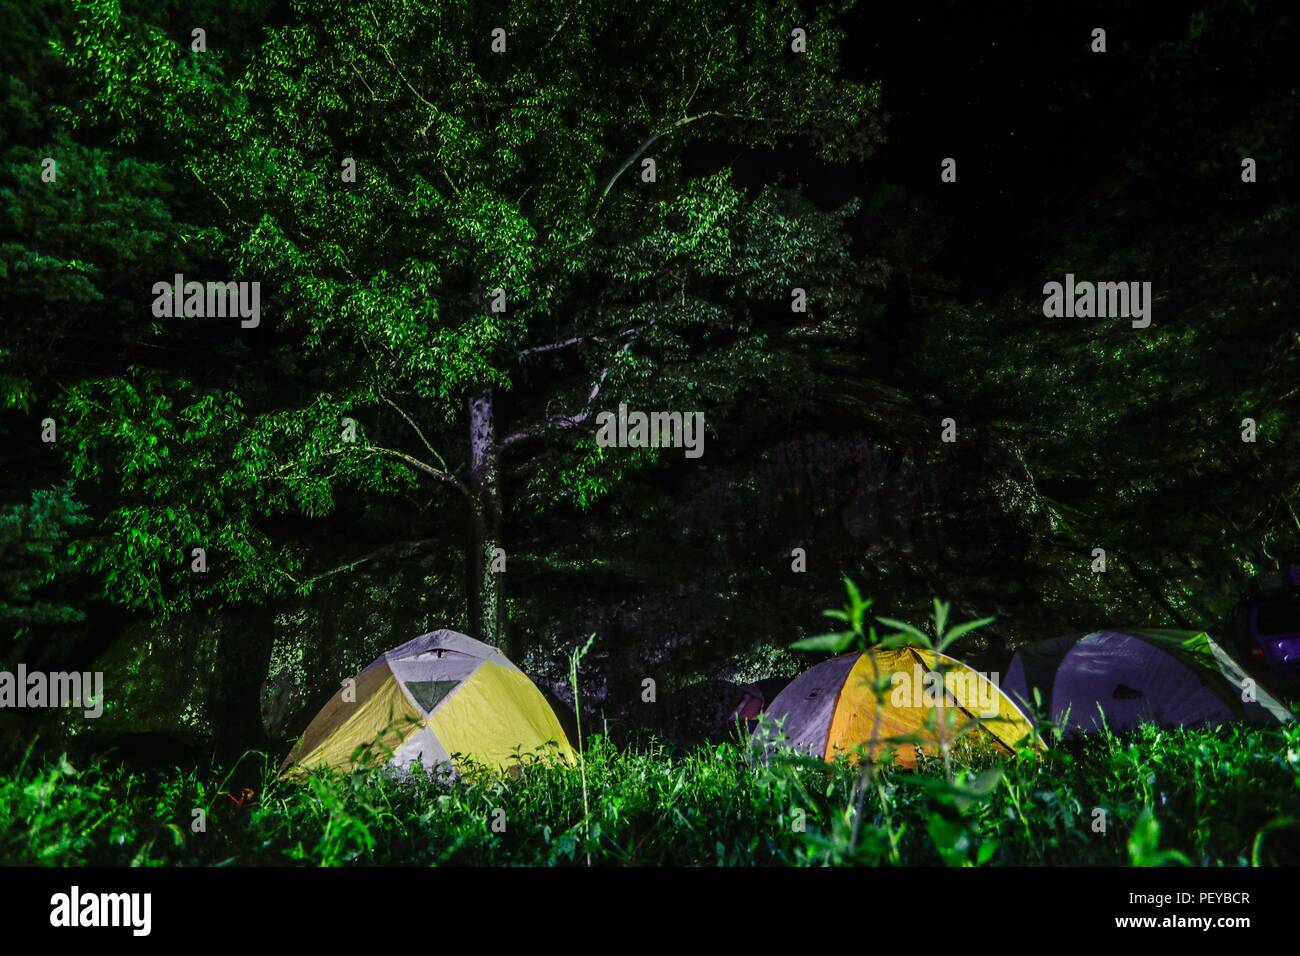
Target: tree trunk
[[487, 611], [243, 659]]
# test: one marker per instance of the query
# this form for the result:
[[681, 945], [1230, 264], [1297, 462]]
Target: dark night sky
[[1013, 92]]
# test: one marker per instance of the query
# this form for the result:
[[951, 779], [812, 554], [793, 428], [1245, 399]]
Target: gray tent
[[1125, 678]]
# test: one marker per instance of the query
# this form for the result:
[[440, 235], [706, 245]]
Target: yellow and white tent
[[442, 700]]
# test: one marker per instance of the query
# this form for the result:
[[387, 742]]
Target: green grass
[[1222, 796]]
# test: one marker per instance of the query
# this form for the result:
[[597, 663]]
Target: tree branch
[[553, 346], [655, 137], [443, 476], [577, 418], [405, 547], [416, 428], [640, 151], [569, 343]]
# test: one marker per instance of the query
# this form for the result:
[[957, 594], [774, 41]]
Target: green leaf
[[961, 630], [835, 643], [918, 636]]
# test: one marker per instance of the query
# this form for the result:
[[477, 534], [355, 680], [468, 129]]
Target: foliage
[[34, 551], [1214, 797], [496, 237], [1131, 439]]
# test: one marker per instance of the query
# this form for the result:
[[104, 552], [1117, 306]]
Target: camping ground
[[394, 390]]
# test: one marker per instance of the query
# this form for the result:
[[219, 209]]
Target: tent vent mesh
[[429, 693]]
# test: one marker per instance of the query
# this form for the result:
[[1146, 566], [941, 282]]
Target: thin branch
[[194, 171], [577, 418], [373, 98], [398, 70], [640, 151], [552, 346], [572, 421], [428, 469], [708, 59], [433, 110], [406, 547], [655, 137], [416, 428], [569, 343], [559, 28]]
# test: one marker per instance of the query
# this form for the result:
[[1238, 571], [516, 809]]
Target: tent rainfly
[[832, 708], [442, 700], [1125, 678]]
